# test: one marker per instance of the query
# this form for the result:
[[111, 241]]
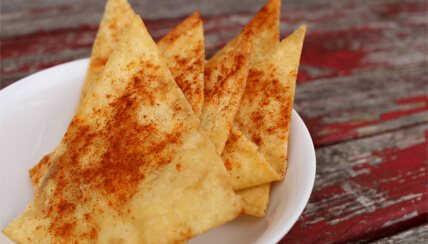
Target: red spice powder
[[274, 104], [133, 148]]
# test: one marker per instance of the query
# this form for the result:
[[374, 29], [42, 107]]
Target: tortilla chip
[[247, 166], [265, 112], [257, 171], [265, 26], [134, 165], [225, 78], [255, 200], [117, 17], [183, 50]]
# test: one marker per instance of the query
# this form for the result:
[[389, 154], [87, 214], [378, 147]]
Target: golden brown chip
[[265, 112], [134, 165], [243, 152], [225, 78], [117, 17], [183, 50], [265, 26]]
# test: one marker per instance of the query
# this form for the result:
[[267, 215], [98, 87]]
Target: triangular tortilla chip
[[265, 112], [225, 77], [183, 50], [117, 17], [134, 165], [247, 166], [265, 26]]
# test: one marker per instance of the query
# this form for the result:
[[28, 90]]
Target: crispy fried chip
[[265, 26], [247, 166], [265, 112], [225, 78], [183, 50], [134, 165], [117, 17]]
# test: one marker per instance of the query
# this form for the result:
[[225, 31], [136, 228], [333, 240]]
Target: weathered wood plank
[[366, 103], [417, 235], [369, 76], [362, 88], [363, 76], [43, 13], [367, 188]]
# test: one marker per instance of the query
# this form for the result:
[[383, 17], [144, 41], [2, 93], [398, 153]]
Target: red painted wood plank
[[363, 76], [417, 235], [352, 53], [327, 132], [48, 42], [326, 53], [367, 189]]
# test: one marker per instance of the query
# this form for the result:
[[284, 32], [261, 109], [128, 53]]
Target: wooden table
[[362, 91]]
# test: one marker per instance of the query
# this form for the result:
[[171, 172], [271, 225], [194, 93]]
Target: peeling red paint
[[47, 10], [397, 114], [328, 133], [48, 42], [299, 16], [417, 99], [323, 133], [303, 77], [335, 50], [422, 101], [384, 195], [339, 42], [342, 61], [392, 10]]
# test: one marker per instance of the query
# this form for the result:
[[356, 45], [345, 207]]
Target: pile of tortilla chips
[[165, 146]]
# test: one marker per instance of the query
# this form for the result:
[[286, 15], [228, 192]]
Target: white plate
[[35, 112]]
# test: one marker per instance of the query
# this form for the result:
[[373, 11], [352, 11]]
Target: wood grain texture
[[367, 188], [363, 71], [417, 235], [362, 91]]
